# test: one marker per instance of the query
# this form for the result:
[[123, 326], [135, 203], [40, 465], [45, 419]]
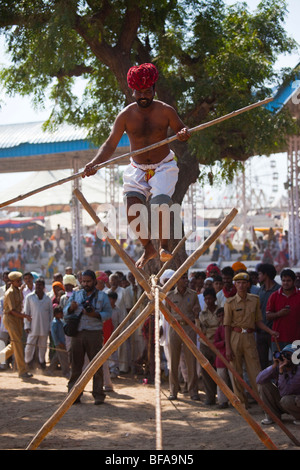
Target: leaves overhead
[[212, 60]]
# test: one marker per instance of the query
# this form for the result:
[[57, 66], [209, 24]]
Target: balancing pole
[[137, 152], [233, 371], [211, 371], [103, 355]]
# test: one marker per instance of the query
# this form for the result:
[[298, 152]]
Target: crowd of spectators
[[248, 315]]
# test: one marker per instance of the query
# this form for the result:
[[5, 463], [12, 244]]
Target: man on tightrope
[[152, 175]]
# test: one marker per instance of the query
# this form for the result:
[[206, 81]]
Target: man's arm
[[281, 313], [177, 125], [107, 149]]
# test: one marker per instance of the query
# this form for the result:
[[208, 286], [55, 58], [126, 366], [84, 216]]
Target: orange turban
[[238, 265], [142, 76]]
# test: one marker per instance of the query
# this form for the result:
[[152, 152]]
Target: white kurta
[[41, 312]]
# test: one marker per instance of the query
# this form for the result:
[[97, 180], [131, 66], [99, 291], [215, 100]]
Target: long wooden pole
[[211, 371], [103, 355], [136, 152], [233, 371], [143, 297]]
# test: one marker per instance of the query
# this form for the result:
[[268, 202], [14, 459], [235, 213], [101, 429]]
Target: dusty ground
[[126, 421]]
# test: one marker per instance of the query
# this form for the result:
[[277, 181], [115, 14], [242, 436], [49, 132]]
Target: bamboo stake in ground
[[137, 152], [211, 371], [233, 371], [103, 355]]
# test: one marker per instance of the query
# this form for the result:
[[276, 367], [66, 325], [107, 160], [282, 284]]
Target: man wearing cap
[[13, 322], [152, 175], [242, 315], [280, 384]]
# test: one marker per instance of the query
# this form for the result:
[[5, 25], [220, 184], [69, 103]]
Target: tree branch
[[76, 71]]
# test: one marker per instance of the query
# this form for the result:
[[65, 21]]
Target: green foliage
[[212, 60]]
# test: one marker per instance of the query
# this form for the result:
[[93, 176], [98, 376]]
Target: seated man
[[280, 384]]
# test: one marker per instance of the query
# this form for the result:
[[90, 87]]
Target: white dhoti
[[153, 179]]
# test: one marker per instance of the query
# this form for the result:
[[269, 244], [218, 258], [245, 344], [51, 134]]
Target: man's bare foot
[[149, 253], [165, 255]]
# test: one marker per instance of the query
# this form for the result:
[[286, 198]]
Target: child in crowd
[[59, 340], [116, 320]]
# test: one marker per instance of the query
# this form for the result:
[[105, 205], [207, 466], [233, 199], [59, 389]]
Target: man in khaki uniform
[[13, 322], [242, 317], [187, 301]]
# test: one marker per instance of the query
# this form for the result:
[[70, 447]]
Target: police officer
[[242, 315]]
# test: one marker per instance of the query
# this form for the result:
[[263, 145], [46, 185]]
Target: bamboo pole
[[233, 371], [211, 371], [137, 152], [155, 288], [103, 355], [142, 298], [86, 376], [138, 273]]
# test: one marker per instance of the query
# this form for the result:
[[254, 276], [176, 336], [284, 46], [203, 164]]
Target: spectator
[[124, 349], [6, 284], [213, 270], [280, 385], [242, 317], [218, 283], [188, 303], [59, 339], [222, 371], [208, 284], [38, 307], [132, 294], [28, 286], [266, 275], [94, 307], [58, 235], [116, 318], [209, 323], [13, 322], [283, 309], [229, 289]]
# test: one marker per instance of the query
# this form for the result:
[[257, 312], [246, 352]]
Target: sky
[[18, 109]]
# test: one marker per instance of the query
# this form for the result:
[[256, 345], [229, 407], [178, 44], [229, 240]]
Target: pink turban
[[142, 76], [102, 277]]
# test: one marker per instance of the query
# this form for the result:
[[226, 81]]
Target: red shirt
[[288, 326]]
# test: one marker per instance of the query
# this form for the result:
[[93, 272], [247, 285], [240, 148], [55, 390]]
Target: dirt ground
[[127, 420]]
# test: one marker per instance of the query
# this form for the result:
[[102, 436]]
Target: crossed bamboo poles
[[119, 336]]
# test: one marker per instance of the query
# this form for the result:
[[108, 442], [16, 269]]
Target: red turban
[[102, 276], [212, 267], [142, 76]]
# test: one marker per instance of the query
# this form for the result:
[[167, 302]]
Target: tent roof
[[93, 189]]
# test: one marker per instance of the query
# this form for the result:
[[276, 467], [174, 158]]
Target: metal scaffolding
[[293, 191], [76, 217]]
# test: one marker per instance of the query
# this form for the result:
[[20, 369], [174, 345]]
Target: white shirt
[[41, 312]]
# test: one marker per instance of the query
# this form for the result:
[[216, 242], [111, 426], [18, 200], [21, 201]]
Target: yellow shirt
[[242, 313], [13, 300], [209, 323], [187, 303]]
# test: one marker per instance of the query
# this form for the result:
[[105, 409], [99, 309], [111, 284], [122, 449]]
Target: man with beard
[[151, 175], [94, 308]]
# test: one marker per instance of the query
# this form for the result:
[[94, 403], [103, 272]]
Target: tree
[[212, 59]]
